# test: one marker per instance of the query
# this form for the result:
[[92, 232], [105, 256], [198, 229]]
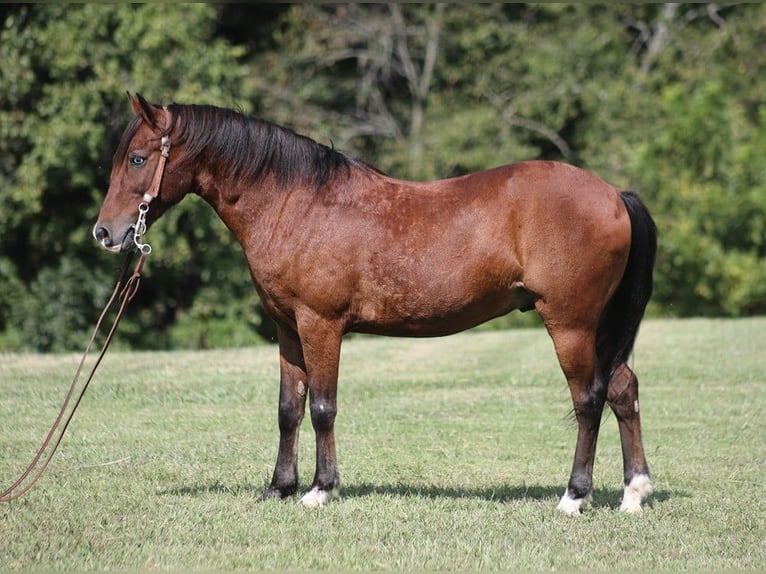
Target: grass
[[453, 454]]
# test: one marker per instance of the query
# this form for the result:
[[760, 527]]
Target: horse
[[335, 246]]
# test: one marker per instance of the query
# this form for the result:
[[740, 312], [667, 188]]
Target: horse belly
[[443, 305]]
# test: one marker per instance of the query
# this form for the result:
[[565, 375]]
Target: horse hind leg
[[622, 398], [576, 351]]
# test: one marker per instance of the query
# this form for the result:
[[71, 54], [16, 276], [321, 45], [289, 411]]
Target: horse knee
[[323, 411], [291, 409]]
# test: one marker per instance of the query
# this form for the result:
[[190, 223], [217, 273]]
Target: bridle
[[125, 289], [154, 189]]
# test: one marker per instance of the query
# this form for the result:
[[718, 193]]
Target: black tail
[[619, 325]]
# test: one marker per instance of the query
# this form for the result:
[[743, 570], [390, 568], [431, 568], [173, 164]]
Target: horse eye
[[136, 160]]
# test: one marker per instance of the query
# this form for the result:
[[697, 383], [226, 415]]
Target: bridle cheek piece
[[139, 228]]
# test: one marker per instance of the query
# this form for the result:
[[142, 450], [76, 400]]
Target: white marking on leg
[[635, 405], [316, 497], [639, 488], [570, 505]]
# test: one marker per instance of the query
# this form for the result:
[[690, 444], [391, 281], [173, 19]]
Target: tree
[[666, 99], [701, 166], [62, 110]]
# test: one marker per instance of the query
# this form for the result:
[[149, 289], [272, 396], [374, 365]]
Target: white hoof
[[316, 497], [570, 505], [639, 488]]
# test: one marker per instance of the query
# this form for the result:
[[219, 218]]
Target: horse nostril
[[101, 234]]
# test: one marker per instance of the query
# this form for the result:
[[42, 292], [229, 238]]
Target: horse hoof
[[277, 493], [271, 494], [639, 488], [317, 497], [572, 506]]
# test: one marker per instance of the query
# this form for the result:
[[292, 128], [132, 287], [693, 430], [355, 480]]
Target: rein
[[125, 289]]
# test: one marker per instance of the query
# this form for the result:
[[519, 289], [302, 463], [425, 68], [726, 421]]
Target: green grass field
[[453, 454]]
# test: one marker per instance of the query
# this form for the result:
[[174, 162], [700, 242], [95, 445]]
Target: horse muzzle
[[111, 241]]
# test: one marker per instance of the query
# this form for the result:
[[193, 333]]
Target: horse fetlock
[[639, 488]]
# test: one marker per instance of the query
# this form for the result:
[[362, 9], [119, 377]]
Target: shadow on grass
[[215, 488], [602, 497]]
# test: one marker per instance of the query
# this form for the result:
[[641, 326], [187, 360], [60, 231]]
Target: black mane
[[245, 147], [242, 146]]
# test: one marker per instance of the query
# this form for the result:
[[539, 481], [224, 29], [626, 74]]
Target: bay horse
[[336, 246]]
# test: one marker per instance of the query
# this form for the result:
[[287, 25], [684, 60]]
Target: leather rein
[[125, 289]]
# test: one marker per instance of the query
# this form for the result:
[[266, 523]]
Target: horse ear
[[144, 108]]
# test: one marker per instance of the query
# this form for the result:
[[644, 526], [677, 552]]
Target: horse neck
[[260, 212], [255, 211], [238, 203]]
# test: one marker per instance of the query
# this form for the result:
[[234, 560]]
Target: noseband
[[154, 189]]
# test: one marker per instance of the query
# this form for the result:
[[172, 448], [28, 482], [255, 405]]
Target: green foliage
[[714, 216], [666, 99], [62, 110], [51, 315], [12, 293]]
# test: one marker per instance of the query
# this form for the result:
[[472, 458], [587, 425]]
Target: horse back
[[447, 255]]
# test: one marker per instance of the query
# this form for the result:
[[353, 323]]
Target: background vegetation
[[666, 99]]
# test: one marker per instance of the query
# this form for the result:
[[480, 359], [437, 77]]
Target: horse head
[[146, 178]]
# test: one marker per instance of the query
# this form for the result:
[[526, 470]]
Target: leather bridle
[[154, 189]]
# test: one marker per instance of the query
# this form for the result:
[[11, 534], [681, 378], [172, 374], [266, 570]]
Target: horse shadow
[[214, 488], [607, 498]]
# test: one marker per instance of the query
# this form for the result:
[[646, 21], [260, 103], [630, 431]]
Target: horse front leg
[[622, 398], [292, 405], [321, 345]]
